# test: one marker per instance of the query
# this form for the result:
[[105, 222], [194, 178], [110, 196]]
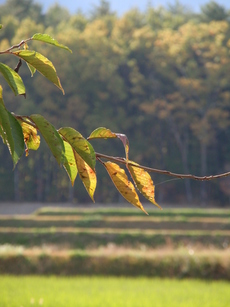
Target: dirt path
[[27, 208], [11, 208]]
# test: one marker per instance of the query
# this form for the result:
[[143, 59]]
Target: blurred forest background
[[161, 76]]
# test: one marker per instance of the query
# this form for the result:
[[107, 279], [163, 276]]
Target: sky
[[121, 6]]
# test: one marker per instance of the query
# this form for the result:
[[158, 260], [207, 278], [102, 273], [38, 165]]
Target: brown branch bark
[[16, 46], [164, 172]]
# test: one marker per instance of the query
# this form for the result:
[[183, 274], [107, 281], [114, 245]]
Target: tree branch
[[16, 46], [163, 172], [148, 169]]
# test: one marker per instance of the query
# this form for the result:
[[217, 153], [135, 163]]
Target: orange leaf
[[87, 175], [143, 182], [123, 185]]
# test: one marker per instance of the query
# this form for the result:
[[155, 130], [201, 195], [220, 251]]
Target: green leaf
[[0, 26], [42, 64], [17, 134], [12, 134], [70, 162], [80, 145], [102, 133], [31, 69], [2, 134], [13, 79], [49, 40], [51, 136]]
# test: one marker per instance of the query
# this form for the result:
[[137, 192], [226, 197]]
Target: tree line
[[160, 76]]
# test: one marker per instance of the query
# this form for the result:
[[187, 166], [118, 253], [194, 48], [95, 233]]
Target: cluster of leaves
[[68, 146]]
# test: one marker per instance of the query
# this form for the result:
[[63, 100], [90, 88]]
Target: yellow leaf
[[31, 139], [143, 182], [123, 185], [102, 133], [87, 175]]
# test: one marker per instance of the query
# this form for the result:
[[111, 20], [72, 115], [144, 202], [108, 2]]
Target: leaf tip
[[156, 204]]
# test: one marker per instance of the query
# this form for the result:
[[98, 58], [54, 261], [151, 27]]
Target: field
[[115, 257], [109, 292], [171, 243]]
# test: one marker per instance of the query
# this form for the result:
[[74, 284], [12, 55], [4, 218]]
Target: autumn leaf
[[31, 138], [87, 175], [143, 182], [102, 133], [123, 185]]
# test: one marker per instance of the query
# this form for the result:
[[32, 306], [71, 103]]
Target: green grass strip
[[84, 239], [134, 212], [111, 292]]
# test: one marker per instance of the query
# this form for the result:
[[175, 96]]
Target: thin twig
[[16, 46], [164, 172]]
